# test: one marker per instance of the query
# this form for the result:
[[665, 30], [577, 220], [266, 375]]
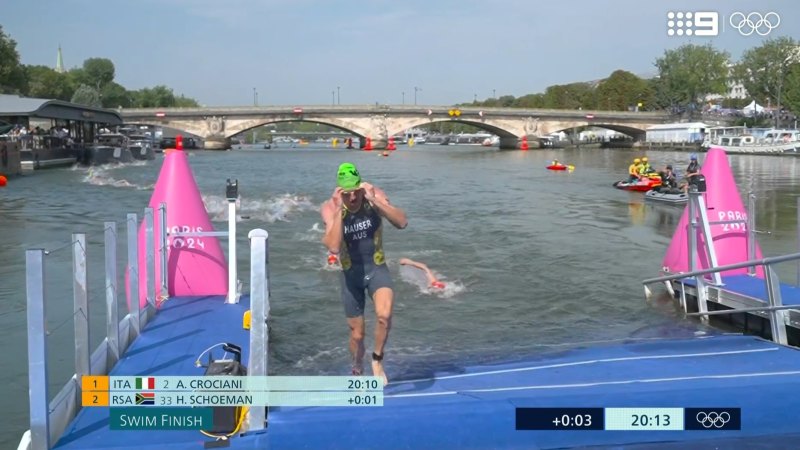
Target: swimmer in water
[[332, 259], [432, 280]]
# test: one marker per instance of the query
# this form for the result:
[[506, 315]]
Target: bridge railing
[[437, 110]]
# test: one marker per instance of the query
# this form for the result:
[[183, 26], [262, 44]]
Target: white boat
[[753, 140]]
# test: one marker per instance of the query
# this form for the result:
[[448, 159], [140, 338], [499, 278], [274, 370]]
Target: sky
[[300, 52]]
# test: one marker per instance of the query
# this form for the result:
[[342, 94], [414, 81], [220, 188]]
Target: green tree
[[44, 82], [792, 96], [116, 96], [661, 98], [12, 74], [155, 97], [691, 72], [87, 95], [98, 72], [569, 96], [530, 101], [185, 102], [505, 101], [622, 90], [763, 70]]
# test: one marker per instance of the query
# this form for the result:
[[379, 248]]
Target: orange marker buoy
[[524, 144], [368, 145], [391, 145], [3, 181]]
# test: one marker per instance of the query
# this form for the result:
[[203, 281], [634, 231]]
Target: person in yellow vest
[[646, 166], [633, 170], [640, 168]]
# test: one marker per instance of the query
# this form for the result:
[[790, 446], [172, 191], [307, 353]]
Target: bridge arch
[[400, 126], [339, 125], [635, 133], [245, 126]]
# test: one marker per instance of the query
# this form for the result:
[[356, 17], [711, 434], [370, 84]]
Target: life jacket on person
[[633, 169]]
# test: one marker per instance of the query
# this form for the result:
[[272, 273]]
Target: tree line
[[92, 84], [686, 76]]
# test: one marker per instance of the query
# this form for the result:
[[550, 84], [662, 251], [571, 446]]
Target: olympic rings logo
[[755, 23], [713, 419]]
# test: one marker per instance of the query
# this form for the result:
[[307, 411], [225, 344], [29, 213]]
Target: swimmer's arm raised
[[393, 214], [422, 266]]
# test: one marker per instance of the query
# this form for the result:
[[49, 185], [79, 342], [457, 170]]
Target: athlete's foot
[[377, 371], [357, 371]]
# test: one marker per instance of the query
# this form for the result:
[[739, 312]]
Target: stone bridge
[[216, 125]]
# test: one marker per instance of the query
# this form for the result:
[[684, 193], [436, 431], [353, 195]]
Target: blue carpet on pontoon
[[474, 407]]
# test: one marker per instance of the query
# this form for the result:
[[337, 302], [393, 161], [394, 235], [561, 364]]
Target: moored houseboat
[[52, 133]]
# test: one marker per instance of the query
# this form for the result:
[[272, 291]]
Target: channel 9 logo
[[699, 23], [707, 23]]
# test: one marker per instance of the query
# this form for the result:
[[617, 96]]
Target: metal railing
[[259, 312], [50, 418], [775, 307], [698, 219]]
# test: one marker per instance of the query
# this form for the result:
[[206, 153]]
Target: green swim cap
[[348, 177]]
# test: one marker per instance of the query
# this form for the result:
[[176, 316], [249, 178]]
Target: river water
[[536, 260]]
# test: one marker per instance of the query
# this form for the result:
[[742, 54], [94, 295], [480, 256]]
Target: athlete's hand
[[336, 198], [369, 191]]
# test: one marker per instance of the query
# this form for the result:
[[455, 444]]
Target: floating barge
[[470, 406], [715, 267]]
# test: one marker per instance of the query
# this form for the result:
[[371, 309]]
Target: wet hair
[[669, 167]]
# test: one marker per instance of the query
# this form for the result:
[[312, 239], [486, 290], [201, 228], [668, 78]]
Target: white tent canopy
[[753, 107]]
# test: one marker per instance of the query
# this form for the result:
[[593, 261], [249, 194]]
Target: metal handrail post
[[232, 194], [80, 294], [133, 273], [708, 239], [751, 233], [162, 248], [38, 391], [233, 296], [150, 257], [112, 312], [692, 241], [776, 317], [259, 310], [691, 229], [798, 240]]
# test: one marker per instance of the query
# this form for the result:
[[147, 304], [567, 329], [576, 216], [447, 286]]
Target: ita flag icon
[[145, 383]]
